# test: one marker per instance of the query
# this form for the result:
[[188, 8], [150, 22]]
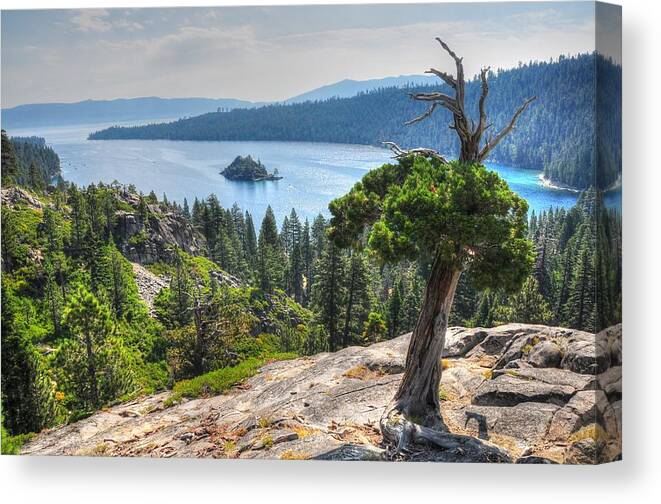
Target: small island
[[246, 168]]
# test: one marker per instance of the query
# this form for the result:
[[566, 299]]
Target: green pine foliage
[[75, 332], [29, 162]]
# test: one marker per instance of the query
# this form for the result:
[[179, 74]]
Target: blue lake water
[[313, 173]]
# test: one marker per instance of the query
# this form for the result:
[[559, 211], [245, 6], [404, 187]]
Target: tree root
[[407, 440]]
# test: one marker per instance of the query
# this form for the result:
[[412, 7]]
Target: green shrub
[[11, 445], [218, 381]]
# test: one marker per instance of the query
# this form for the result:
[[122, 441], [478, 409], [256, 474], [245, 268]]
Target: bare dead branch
[[483, 98], [470, 134], [491, 143], [424, 115], [460, 71], [419, 151], [447, 78]]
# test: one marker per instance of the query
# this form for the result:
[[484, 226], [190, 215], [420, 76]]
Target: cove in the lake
[[314, 173]]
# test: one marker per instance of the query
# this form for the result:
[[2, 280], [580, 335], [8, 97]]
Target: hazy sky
[[268, 53]]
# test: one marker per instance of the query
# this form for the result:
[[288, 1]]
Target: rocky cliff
[[534, 394], [151, 239]]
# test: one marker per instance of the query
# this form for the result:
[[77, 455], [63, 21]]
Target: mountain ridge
[[350, 87], [155, 107], [118, 109]]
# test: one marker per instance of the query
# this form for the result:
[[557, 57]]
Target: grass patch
[[293, 455], [362, 372], [526, 348], [267, 442], [229, 448], [264, 422], [446, 363], [444, 395], [303, 431], [218, 381], [99, 450]]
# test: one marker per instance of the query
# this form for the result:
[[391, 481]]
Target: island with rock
[[246, 168]]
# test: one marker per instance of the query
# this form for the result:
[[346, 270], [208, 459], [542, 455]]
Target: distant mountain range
[[348, 88], [122, 109], [140, 109]]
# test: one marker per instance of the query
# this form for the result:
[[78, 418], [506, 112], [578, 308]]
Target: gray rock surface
[[508, 390], [152, 239], [15, 196], [149, 285], [587, 355], [328, 407], [459, 341], [545, 354]]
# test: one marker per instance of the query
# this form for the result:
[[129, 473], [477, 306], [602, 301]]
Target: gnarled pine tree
[[455, 214]]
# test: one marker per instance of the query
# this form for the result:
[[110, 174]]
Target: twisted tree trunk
[[418, 394], [414, 414]]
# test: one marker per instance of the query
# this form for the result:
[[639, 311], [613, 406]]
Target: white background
[[636, 479]]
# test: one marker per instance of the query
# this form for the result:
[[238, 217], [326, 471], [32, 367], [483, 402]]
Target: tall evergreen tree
[[271, 258], [329, 294], [28, 392], [10, 165], [89, 321], [186, 210], [580, 307], [307, 256], [357, 306]]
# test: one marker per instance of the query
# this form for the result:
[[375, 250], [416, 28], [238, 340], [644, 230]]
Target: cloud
[[100, 20], [269, 54], [91, 20]]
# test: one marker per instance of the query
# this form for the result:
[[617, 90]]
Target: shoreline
[[555, 186]]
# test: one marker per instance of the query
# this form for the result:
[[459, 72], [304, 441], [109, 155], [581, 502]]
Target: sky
[[268, 53]]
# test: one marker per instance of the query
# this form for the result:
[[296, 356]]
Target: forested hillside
[[29, 161], [557, 134]]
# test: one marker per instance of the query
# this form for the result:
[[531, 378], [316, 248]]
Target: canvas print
[[341, 233]]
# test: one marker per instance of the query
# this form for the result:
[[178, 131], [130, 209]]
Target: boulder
[[610, 381], [459, 382], [152, 239], [353, 452], [527, 422], [506, 390], [586, 357], [459, 341], [584, 452], [16, 196], [586, 408], [545, 354], [517, 364], [532, 459], [552, 376], [611, 338]]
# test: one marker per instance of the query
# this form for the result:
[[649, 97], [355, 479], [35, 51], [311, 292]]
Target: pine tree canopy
[[421, 208]]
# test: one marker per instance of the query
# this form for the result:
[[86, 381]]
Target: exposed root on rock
[[405, 439]]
